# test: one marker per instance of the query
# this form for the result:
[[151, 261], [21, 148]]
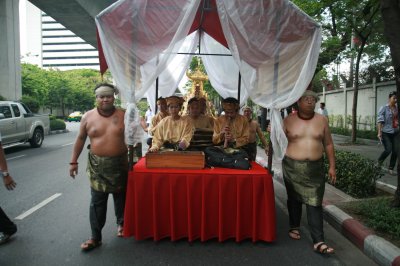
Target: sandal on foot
[[323, 248], [294, 234], [4, 238], [90, 244], [120, 232]]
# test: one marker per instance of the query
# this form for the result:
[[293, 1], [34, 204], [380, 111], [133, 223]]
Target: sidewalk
[[377, 248]]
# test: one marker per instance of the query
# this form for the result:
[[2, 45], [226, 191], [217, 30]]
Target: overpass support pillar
[[10, 64]]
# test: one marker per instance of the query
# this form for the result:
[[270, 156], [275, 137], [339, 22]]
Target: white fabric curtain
[[276, 47], [133, 33], [222, 71], [169, 79], [274, 44]]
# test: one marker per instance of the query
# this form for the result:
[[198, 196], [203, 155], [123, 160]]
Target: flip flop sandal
[[4, 238], [90, 244], [120, 232], [323, 248], [294, 233]]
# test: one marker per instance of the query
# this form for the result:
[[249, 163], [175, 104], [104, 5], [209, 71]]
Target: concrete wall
[[10, 67], [370, 98]]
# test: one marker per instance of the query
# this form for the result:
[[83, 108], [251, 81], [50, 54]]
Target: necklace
[[106, 115], [305, 118]]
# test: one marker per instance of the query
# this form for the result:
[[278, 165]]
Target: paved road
[[52, 234]]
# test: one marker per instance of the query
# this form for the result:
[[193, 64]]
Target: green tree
[[53, 88], [339, 20], [391, 18], [34, 82], [336, 33]]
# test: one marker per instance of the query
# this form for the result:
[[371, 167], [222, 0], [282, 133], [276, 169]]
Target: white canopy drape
[[274, 45]]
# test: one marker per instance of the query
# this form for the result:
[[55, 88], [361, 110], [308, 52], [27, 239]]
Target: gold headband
[[161, 101], [174, 100]]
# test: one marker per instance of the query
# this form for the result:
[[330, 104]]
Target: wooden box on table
[[176, 159]]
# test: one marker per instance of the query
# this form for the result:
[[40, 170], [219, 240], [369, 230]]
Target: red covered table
[[200, 204]]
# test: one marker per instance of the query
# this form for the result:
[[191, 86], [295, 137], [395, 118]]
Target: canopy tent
[[274, 45]]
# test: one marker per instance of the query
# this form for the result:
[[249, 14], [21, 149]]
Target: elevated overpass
[[76, 15]]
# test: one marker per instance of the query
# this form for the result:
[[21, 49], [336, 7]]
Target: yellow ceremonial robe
[[203, 121], [173, 131], [155, 120], [239, 128]]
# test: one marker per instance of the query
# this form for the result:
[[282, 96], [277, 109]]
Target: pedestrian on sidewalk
[[107, 161], [322, 110], [303, 168], [388, 128], [7, 227]]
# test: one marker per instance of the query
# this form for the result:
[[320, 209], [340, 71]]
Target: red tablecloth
[[200, 204]]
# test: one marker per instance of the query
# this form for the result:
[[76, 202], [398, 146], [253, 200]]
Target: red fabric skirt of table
[[200, 204]]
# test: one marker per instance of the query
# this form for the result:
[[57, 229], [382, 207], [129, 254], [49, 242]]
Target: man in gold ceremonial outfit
[[174, 131], [199, 120], [231, 129], [162, 113]]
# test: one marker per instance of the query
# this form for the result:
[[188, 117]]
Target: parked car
[[19, 125], [75, 116]]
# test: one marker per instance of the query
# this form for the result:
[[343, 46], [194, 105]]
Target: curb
[[378, 249], [365, 141]]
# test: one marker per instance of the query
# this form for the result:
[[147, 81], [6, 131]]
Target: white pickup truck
[[19, 125]]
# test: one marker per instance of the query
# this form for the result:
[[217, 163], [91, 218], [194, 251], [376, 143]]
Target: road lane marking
[[16, 157], [68, 144], [37, 207]]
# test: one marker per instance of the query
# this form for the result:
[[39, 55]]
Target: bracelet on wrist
[[72, 163]]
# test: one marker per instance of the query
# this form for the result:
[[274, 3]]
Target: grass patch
[[377, 214]]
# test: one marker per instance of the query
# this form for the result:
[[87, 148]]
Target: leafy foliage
[[356, 175], [142, 106], [31, 102], [266, 136], [57, 124], [380, 216], [364, 134], [52, 88]]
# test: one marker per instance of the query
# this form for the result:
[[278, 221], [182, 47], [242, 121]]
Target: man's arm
[[262, 138], [218, 135], [380, 121], [78, 147], [188, 130], [330, 152], [158, 137], [7, 180]]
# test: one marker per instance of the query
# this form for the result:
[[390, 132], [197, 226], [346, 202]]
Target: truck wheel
[[37, 138]]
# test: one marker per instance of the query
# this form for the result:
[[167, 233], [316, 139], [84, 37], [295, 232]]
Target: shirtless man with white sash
[[107, 162]]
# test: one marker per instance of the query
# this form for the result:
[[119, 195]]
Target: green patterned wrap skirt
[[107, 174], [304, 180]]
